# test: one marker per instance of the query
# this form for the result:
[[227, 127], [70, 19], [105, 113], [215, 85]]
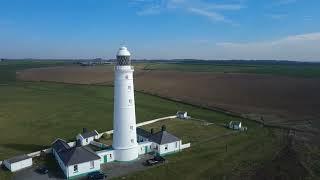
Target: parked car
[[42, 170], [97, 175], [155, 160]]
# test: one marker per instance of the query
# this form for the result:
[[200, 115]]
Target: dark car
[[155, 160], [97, 175], [42, 170]]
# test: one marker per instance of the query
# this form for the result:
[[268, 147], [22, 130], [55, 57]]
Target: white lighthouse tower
[[124, 118]]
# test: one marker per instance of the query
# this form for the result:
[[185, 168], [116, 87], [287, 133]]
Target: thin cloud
[[296, 47], [199, 8]]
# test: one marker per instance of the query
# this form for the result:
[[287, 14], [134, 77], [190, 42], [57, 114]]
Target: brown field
[[280, 100]]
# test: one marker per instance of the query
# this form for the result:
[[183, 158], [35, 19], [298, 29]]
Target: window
[[75, 168], [130, 101], [129, 88], [86, 140], [176, 144], [132, 140], [110, 155], [127, 77], [131, 127], [166, 147], [91, 164]]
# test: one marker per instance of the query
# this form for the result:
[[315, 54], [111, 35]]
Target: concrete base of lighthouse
[[126, 154]]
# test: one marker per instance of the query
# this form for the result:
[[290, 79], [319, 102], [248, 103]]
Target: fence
[[184, 146]]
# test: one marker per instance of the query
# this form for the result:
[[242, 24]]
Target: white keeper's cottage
[[75, 161]]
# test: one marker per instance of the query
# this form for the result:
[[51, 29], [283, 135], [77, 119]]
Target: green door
[[105, 158], [146, 149]]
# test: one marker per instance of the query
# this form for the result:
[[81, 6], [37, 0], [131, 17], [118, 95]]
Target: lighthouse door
[[146, 149], [105, 158]]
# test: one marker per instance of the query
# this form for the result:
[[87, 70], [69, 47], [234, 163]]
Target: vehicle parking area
[[116, 169], [112, 169]]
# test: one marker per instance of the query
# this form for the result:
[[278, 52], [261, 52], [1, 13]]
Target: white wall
[[171, 147], [85, 141], [142, 147], [108, 153], [83, 168], [18, 165]]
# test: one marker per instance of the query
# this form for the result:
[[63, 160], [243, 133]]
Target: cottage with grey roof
[[162, 142], [75, 161]]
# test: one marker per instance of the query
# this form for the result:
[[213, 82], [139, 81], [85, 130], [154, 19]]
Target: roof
[[237, 123], [60, 145], [89, 134], [77, 155], [143, 133], [18, 158], [163, 137]]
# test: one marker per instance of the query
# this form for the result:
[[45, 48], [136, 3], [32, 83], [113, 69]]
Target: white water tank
[[124, 119]]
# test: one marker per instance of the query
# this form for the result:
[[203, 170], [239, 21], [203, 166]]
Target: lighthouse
[[124, 118]]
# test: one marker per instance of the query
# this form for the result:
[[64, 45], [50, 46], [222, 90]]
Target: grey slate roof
[[18, 158], [77, 155], [89, 134], [163, 137], [60, 145], [143, 133], [181, 112], [236, 123]]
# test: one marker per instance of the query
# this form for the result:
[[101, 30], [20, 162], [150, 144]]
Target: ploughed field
[[276, 95]]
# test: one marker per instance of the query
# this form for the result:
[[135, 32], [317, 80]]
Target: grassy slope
[[207, 158], [285, 69]]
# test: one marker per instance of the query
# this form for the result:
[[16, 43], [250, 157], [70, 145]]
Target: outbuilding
[[18, 162], [87, 136], [235, 125], [182, 115]]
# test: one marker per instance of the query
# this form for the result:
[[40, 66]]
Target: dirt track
[[291, 101]]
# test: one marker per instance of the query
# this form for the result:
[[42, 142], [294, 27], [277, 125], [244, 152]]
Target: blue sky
[[207, 29]]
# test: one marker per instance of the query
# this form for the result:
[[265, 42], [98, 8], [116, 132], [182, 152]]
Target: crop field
[[292, 70]]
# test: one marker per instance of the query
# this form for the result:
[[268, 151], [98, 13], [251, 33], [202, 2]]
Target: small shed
[[18, 162], [235, 125], [182, 115], [87, 136]]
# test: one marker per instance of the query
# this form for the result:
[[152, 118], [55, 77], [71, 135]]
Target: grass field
[[301, 70], [33, 114], [208, 157]]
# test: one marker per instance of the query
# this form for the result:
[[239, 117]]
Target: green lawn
[[294, 70]]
